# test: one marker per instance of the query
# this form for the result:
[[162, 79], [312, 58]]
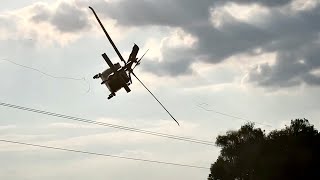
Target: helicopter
[[117, 76]]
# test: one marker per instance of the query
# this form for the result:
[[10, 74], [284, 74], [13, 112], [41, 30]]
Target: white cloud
[[38, 32], [252, 14], [72, 126], [316, 72], [7, 127], [153, 44], [218, 17], [303, 5], [247, 13], [178, 38], [61, 22]]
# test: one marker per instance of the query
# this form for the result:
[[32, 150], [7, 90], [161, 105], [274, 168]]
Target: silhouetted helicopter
[[117, 76]]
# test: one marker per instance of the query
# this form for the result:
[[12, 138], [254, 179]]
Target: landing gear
[[103, 81], [97, 76], [111, 95]]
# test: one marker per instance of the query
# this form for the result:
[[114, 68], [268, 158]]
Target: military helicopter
[[117, 76]]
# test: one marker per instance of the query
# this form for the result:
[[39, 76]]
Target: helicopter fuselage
[[117, 77], [111, 80]]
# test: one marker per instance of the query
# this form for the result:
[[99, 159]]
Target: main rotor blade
[[106, 33], [156, 99]]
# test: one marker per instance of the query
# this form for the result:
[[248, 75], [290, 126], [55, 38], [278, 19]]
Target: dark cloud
[[154, 12], [235, 37], [292, 68], [289, 34], [66, 17], [172, 68], [176, 62], [268, 3], [168, 12], [296, 41]]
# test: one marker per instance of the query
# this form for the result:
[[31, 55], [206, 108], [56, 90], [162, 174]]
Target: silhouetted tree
[[289, 153]]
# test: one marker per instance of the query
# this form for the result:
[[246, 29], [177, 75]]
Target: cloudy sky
[[209, 62]]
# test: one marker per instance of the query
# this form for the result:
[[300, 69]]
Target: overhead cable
[[101, 154], [232, 116], [181, 138], [49, 75]]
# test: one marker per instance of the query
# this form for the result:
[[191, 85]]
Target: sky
[[215, 64]]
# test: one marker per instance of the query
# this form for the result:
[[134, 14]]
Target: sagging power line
[[49, 75], [101, 154], [232, 116], [181, 138]]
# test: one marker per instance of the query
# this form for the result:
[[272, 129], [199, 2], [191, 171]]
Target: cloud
[[42, 12], [7, 127], [268, 3], [291, 69], [223, 29], [176, 55], [166, 12], [60, 22], [210, 32], [66, 17], [212, 44], [72, 126]]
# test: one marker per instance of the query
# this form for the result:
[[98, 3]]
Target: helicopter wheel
[[97, 76], [111, 95]]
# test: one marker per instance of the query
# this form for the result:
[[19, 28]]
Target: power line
[[105, 155], [49, 75], [232, 116], [192, 140], [42, 72], [222, 113]]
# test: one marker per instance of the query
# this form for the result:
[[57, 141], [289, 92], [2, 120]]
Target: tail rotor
[[136, 64], [138, 61]]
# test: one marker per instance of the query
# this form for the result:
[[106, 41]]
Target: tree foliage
[[250, 153]]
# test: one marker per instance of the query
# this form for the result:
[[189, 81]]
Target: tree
[[289, 153]]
